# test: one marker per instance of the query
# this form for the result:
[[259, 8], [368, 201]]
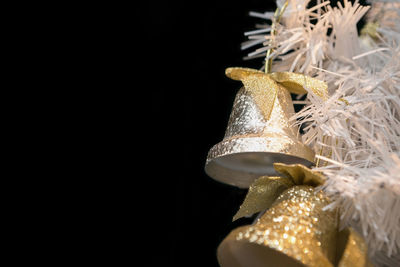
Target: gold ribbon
[[300, 174], [298, 83], [263, 192], [264, 87]]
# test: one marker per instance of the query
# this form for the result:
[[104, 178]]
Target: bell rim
[[243, 179], [232, 238]]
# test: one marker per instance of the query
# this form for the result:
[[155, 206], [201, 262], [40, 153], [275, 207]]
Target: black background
[[187, 46]]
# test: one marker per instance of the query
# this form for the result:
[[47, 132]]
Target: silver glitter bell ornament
[[259, 132]]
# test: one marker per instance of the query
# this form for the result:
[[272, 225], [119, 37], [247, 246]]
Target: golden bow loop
[[238, 74], [300, 174], [264, 87], [298, 84], [259, 85], [263, 192]]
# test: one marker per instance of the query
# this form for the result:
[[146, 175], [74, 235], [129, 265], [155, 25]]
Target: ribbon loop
[[300, 174], [298, 83], [262, 193]]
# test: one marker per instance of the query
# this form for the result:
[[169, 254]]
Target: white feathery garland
[[356, 132]]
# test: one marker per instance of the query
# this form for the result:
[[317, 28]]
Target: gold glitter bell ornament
[[295, 231], [259, 132]]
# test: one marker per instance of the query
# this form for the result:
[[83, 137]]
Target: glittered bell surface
[[258, 134], [295, 231]]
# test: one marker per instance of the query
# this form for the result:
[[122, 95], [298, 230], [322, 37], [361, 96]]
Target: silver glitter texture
[[258, 134]]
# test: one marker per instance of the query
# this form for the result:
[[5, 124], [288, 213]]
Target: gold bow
[[263, 192], [264, 86]]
